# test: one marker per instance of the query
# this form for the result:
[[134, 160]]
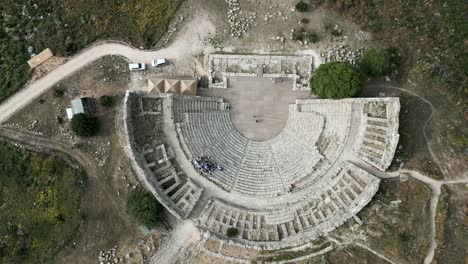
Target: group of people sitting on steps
[[206, 165]]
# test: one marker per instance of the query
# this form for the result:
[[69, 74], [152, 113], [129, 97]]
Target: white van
[[159, 62], [137, 66]]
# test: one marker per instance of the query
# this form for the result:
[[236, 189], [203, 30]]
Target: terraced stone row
[[349, 189], [255, 168], [336, 124], [193, 104], [174, 185], [379, 137]]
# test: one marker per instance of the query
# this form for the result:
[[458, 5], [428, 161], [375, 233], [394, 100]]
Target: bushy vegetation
[[107, 101], [58, 92], [40, 198], [305, 36], [305, 21], [435, 45], [84, 125], [333, 28], [336, 80], [378, 62], [67, 26], [232, 232], [400, 230], [302, 6], [144, 207]]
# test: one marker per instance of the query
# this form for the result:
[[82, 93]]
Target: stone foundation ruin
[[222, 66]]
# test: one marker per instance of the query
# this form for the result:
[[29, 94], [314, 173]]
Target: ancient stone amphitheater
[[286, 191]]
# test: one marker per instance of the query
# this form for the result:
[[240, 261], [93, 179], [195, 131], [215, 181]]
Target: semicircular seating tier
[[313, 139], [346, 192], [309, 179]]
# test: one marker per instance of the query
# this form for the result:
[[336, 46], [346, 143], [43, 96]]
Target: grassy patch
[[287, 254], [40, 199], [441, 218], [397, 220], [432, 35], [69, 25], [452, 247], [144, 208]]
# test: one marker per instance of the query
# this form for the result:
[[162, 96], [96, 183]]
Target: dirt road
[[179, 52]]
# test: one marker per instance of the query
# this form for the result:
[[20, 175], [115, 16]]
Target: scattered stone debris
[[171, 31], [238, 20], [342, 53], [109, 256]]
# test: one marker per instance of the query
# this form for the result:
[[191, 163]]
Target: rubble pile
[[109, 257], [171, 31], [342, 53], [238, 20]]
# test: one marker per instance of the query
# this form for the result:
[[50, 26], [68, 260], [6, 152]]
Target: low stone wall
[[222, 68]]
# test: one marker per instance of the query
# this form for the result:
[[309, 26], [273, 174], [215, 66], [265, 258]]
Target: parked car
[[159, 62], [137, 66]]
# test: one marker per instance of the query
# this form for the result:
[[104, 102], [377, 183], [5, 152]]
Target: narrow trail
[[434, 185], [346, 242], [434, 157]]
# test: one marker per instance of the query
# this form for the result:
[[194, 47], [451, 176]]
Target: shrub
[[144, 207], [311, 37], [333, 28], [302, 7], [305, 36], [378, 62], [232, 232], [84, 125], [106, 101], [58, 92], [336, 80], [305, 21], [298, 35], [336, 31]]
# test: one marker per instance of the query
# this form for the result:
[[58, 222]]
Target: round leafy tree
[[377, 62], [336, 80], [144, 207], [302, 7], [232, 232], [84, 125]]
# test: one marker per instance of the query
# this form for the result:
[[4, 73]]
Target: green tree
[[378, 62], [302, 7], [84, 125], [232, 232], [58, 92], [336, 80], [144, 207]]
